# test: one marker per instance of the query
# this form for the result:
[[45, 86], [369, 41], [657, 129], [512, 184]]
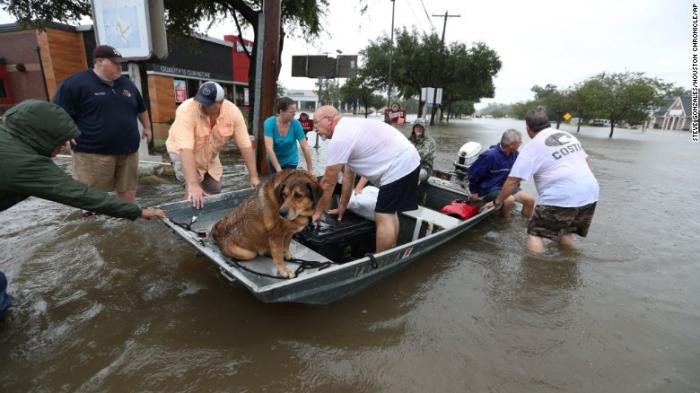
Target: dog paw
[[286, 273], [288, 255]]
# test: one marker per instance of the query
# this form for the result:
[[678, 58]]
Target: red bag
[[460, 209]]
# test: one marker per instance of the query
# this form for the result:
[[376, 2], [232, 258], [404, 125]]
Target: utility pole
[[391, 54], [442, 60], [271, 20]]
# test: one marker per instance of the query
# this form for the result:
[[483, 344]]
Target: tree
[[462, 108], [582, 99], [679, 91], [623, 97], [328, 91], [520, 109], [465, 73], [469, 73], [556, 102], [359, 90]]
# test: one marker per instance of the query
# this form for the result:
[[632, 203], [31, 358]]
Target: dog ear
[[315, 191], [279, 191]]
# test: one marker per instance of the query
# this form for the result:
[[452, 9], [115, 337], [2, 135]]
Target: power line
[[413, 12], [426, 15]]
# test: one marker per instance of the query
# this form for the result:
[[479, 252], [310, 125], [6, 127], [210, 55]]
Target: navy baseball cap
[[209, 94]]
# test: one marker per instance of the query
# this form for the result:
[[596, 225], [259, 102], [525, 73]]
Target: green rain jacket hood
[[29, 134], [40, 125]]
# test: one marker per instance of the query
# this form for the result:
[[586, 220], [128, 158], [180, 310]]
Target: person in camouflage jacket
[[425, 146]]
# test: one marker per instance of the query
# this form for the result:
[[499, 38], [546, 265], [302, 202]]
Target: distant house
[[674, 115], [306, 100]]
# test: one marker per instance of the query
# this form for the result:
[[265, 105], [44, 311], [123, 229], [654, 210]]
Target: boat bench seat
[[423, 214]]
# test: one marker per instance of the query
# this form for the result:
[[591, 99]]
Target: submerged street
[[110, 305]]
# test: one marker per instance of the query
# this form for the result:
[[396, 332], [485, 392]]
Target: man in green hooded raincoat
[[32, 133]]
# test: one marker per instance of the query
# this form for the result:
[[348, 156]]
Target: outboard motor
[[466, 156]]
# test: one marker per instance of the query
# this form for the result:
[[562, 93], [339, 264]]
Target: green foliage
[[622, 97], [466, 74], [520, 109], [360, 91], [328, 91], [182, 16], [556, 102], [38, 13], [462, 108], [678, 91]]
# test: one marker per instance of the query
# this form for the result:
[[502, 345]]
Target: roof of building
[[12, 27], [686, 101], [663, 108]]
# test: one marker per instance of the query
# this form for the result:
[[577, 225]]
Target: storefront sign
[[180, 71]]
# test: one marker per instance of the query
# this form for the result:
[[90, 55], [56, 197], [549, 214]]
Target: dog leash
[[303, 265]]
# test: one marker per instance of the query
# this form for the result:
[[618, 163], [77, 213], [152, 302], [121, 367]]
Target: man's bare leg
[[567, 242], [535, 244], [129, 196], [528, 202], [507, 207], [387, 230]]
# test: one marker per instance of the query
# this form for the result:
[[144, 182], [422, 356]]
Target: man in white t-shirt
[[567, 189], [376, 151]]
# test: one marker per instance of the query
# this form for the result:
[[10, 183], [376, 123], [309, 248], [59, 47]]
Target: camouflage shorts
[[553, 222]]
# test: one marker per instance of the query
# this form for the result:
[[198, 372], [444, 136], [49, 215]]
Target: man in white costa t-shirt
[[377, 151], [567, 189]]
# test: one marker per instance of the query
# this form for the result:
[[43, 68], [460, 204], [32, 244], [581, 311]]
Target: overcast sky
[[539, 42]]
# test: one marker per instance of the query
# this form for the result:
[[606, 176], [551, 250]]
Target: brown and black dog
[[265, 222]]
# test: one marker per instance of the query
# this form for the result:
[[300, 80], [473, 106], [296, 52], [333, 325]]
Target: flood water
[[107, 305]]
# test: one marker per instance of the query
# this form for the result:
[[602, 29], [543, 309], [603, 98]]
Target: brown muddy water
[[106, 305]]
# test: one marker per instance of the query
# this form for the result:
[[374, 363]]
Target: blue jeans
[[5, 299]]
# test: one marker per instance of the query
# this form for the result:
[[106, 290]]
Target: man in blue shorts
[[488, 173], [378, 152], [567, 189]]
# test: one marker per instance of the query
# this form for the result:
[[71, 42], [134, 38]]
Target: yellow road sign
[[567, 116]]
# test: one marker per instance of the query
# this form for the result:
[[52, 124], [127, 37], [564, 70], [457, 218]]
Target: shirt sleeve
[[140, 103], [523, 167], [41, 178], [181, 132], [477, 171], [338, 152], [240, 129], [64, 98]]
